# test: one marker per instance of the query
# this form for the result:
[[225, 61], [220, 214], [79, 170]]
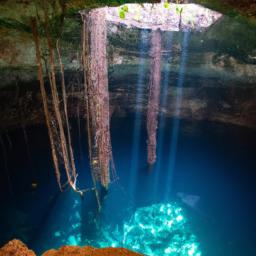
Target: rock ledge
[[17, 248]]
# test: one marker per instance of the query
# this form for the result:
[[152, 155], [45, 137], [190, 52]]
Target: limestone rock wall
[[219, 85]]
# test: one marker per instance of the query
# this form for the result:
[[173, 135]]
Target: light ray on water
[[163, 102], [176, 122], [138, 114]]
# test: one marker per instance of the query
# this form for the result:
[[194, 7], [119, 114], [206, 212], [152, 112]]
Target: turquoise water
[[212, 188], [198, 198]]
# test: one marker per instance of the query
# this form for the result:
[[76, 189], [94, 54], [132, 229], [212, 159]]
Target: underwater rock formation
[[154, 230], [89, 251], [16, 248], [160, 229]]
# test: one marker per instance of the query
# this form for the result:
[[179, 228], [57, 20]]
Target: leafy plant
[[123, 10], [122, 14], [166, 5], [179, 10]]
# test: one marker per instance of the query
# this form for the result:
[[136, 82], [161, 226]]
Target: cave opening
[[144, 115]]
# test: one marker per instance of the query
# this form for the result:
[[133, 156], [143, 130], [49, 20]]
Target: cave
[[127, 128]]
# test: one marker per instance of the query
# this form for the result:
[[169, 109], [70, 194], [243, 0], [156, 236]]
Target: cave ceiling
[[221, 57], [227, 46]]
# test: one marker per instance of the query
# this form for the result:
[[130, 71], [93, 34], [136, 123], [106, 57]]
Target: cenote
[[128, 126]]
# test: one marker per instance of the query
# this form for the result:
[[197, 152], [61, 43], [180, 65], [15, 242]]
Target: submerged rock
[[89, 251], [17, 248], [153, 230]]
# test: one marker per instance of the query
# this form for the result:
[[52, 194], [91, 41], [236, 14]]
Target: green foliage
[[166, 5], [122, 11], [125, 8], [122, 14], [179, 10]]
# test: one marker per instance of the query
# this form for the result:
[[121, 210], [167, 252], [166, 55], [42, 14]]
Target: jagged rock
[[89, 251], [16, 248]]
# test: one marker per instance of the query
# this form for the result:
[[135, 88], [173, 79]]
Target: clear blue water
[[212, 179]]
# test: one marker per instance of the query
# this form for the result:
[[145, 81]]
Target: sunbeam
[[176, 121], [138, 115], [163, 102]]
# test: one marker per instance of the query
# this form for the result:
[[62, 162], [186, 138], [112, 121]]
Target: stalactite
[[154, 94], [97, 96]]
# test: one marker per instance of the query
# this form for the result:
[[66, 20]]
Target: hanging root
[[97, 102], [6, 166], [79, 132], [154, 94], [45, 101], [61, 147], [64, 96], [25, 135], [97, 95], [85, 58], [8, 139], [65, 143]]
